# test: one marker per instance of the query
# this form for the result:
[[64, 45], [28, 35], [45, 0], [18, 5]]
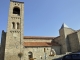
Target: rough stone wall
[[14, 37], [3, 40], [78, 33], [67, 32], [63, 42], [63, 37], [74, 42], [58, 40], [38, 52], [57, 49]]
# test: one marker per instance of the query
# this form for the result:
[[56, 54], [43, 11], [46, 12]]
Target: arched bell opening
[[13, 25], [16, 10]]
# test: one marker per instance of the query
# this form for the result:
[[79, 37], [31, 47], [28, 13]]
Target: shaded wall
[[74, 42], [3, 40]]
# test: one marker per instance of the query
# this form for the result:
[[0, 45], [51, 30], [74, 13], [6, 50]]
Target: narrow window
[[13, 25], [44, 50], [18, 25]]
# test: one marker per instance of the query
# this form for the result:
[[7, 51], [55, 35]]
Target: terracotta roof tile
[[40, 44], [37, 37]]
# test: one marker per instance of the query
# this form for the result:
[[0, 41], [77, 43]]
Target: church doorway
[[30, 55]]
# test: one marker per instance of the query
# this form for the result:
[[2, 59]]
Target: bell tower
[[14, 36]]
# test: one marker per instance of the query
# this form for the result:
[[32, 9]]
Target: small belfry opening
[[16, 10], [18, 26], [13, 25]]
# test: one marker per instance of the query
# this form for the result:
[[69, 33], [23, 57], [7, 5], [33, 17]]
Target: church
[[15, 46]]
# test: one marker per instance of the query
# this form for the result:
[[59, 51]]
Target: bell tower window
[[13, 25], [18, 25], [16, 10]]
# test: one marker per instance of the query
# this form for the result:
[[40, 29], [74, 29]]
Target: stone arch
[[16, 10], [52, 52]]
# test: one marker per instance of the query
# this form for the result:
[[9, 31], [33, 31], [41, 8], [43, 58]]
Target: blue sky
[[44, 17]]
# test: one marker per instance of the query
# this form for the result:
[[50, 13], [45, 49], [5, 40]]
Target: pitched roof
[[37, 37], [64, 26], [40, 44]]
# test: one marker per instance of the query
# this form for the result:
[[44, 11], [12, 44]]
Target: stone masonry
[[16, 46]]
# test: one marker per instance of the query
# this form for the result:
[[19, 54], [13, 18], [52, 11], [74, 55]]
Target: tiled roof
[[40, 44], [36, 37]]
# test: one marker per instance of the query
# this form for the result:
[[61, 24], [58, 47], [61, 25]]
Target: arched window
[[30, 54], [18, 25], [13, 25], [44, 50], [16, 10]]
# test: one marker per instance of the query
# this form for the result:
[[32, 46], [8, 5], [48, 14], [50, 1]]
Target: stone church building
[[16, 46]]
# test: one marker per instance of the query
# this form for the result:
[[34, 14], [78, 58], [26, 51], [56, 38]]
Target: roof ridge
[[37, 37]]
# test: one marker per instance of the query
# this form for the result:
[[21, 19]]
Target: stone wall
[[78, 33], [74, 42], [14, 36], [57, 49], [63, 37], [38, 52], [59, 41]]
